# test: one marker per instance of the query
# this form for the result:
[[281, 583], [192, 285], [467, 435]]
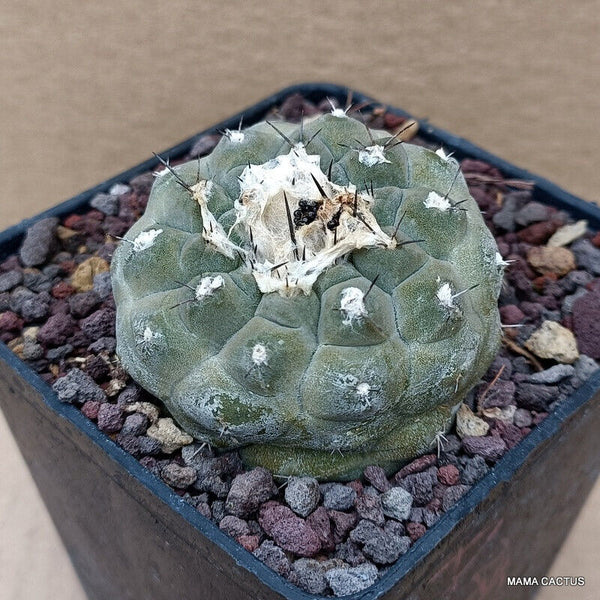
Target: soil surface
[[57, 313]]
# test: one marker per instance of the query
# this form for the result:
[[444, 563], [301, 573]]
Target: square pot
[[131, 537]]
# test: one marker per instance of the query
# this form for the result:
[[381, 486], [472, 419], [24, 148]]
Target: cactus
[[321, 296]]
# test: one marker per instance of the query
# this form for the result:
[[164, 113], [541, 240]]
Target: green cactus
[[320, 296]]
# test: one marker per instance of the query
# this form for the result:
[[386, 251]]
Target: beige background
[[91, 88]]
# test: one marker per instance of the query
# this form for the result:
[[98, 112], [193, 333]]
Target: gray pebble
[[567, 304], [349, 552], [248, 491], [587, 256], [473, 469], [521, 365], [218, 510], [10, 279], [35, 308], [32, 350], [575, 279], [18, 296], [386, 549], [535, 396], [135, 424], [52, 271], [104, 344], [177, 476], [585, 366], [552, 375], [148, 445], [105, 203], [309, 575], [532, 212], [58, 353], [302, 495], [338, 497], [209, 479], [118, 189], [234, 526], [273, 556], [102, 285], [452, 495], [394, 528], [397, 502], [345, 581], [195, 454], [505, 217], [37, 281], [78, 387], [364, 531], [420, 485], [522, 417], [39, 242], [4, 301], [430, 518]]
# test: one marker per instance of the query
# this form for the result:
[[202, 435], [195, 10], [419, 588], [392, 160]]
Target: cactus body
[[321, 307]]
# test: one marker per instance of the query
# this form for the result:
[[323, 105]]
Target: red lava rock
[[538, 417], [10, 321], [99, 324], [56, 330], [500, 394], [62, 290], [538, 233], [357, 486], [489, 447], [248, 491], [68, 266], [391, 121], [117, 226], [435, 505], [415, 530], [234, 526], [511, 314], [249, 542], [511, 434], [532, 310], [586, 323], [320, 523], [90, 409], [376, 476], [271, 512], [71, 221], [293, 534], [448, 475], [368, 506], [110, 418], [97, 368], [471, 165], [416, 466], [596, 240], [342, 523]]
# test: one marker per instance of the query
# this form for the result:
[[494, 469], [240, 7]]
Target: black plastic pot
[[131, 537]]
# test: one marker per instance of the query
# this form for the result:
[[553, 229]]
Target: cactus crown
[[321, 296]]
